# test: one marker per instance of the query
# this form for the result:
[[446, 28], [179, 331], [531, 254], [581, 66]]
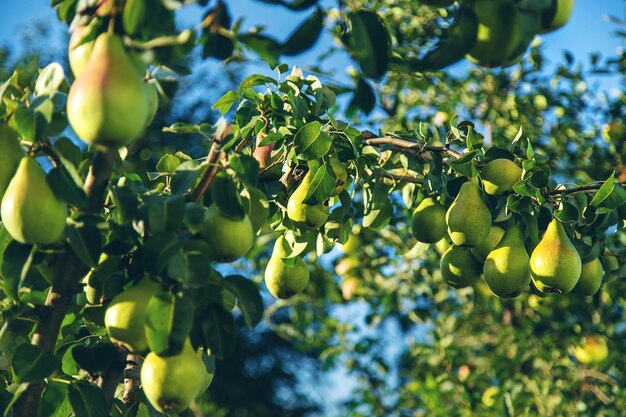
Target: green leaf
[[369, 42], [168, 323], [266, 48], [16, 262], [158, 250], [167, 164], [155, 213], [322, 185], [85, 240], [30, 363], [296, 5], [135, 14], [94, 358], [218, 329], [224, 103], [55, 401], [67, 183], [364, 98], [246, 167], [311, 142], [604, 191], [226, 197], [248, 298], [87, 399], [303, 38], [50, 79]]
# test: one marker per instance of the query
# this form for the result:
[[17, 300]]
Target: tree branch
[[131, 380], [591, 187], [209, 174], [68, 274], [416, 148], [404, 178]]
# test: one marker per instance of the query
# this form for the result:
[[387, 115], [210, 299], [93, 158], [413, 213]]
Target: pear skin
[[285, 278], [31, 212], [459, 268], [468, 218], [481, 251], [593, 349], [556, 15], [499, 176], [107, 104], [125, 316], [429, 221], [555, 264], [304, 214], [228, 238], [591, 276], [341, 174], [172, 383], [499, 31], [10, 156], [507, 271], [79, 53]]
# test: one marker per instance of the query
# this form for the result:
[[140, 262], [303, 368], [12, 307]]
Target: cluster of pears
[[108, 104], [171, 383], [502, 36], [31, 212], [500, 256]]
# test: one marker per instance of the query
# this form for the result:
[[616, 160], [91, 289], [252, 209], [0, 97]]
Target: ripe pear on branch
[[482, 250], [507, 271], [591, 277], [468, 218], [556, 15], [459, 268], [31, 212], [285, 277], [304, 214], [428, 222], [229, 238], [108, 104], [499, 176], [10, 156], [555, 264]]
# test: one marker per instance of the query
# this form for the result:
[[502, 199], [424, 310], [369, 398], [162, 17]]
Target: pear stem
[[66, 284]]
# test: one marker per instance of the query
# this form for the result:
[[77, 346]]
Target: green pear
[[172, 383], [10, 156], [257, 207], [499, 31], [555, 264], [341, 174], [556, 15], [591, 276], [610, 263], [507, 271], [593, 349], [31, 212], [228, 238], [107, 104], [304, 214], [468, 218], [125, 316], [429, 221], [79, 53], [285, 278], [499, 176], [459, 268], [105, 280], [481, 251]]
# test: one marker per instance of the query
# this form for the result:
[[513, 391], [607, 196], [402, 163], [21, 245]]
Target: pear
[[10, 156], [556, 15], [263, 154], [459, 268], [257, 207], [610, 262], [79, 53], [31, 212], [304, 214], [125, 316], [593, 349], [481, 251], [429, 221], [285, 277], [172, 383], [499, 31], [105, 280], [352, 244], [591, 276], [507, 271], [341, 174], [228, 238], [349, 287], [555, 263], [468, 218], [107, 104], [499, 176]]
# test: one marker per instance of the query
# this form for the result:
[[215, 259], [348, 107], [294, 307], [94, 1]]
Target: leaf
[[55, 401], [224, 103], [87, 400], [364, 98], [218, 329], [134, 15], [67, 184], [85, 240], [50, 79], [94, 358], [311, 142], [167, 164], [30, 363], [246, 167], [16, 262], [158, 250], [248, 298], [226, 197], [294, 4], [604, 191], [155, 213], [266, 48], [303, 38], [322, 185], [168, 323], [369, 42]]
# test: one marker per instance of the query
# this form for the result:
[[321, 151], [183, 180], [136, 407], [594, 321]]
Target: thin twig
[[416, 147], [403, 178], [591, 187], [209, 174]]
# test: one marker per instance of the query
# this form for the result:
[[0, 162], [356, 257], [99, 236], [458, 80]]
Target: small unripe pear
[[592, 350], [555, 264], [591, 276], [31, 212], [228, 238], [468, 218], [481, 251], [305, 214], [506, 271], [285, 277], [429, 221], [459, 269], [499, 176], [125, 316]]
